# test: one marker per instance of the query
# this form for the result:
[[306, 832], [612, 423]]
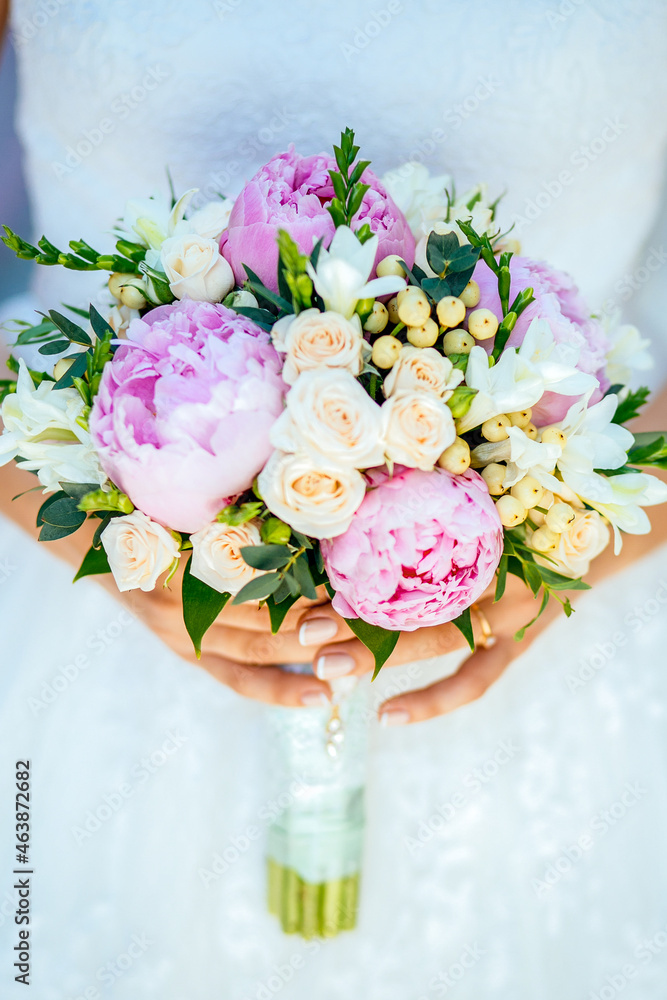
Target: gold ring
[[488, 638]]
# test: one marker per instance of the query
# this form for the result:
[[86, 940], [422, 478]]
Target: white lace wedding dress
[[514, 848]]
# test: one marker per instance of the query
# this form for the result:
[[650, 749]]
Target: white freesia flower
[[151, 221], [629, 353], [342, 273], [217, 559], [555, 363], [41, 426], [422, 368], [312, 496], [139, 550], [330, 415], [418, 427], [196, 269], [209, 221], [315, 339], [621, 498], [480, 216], [420, 197], [580, 543], [510, 385]]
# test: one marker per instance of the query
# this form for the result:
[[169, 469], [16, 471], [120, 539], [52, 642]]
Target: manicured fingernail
[[334, 665], [314, 699], [316, 631], [394, 717]]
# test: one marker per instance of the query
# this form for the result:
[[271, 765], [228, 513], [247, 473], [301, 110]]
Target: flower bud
[[424, 335], [560, 517], [392, 309], [132, 296], [493, 475], [241, 298], [275, 532], [553, 435], [413, 309], [116, 282], [378, 319], [530, 430], [390, 265], [386, 350], [482, 324], [62, 367], [451, 311], [470, 295], [510, 511], [528, 492], [521, 418], [457, 342], [495, 429], [544, 539], [456, 458]]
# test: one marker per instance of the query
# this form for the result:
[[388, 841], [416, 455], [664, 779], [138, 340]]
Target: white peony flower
[[342, 273], [310, 495], [196, 269], [418, 427], [330, 415], [139, 550], [422, 368], [315, 339], [579, 544], [629, 353], [217, 559], [151, 221], [209, 221], [41, 426]]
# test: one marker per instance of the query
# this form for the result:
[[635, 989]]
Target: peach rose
[[315, 339]]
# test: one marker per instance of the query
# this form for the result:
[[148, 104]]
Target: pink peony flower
[[185, 407], [291, 192], [421, 549], [559, 301]]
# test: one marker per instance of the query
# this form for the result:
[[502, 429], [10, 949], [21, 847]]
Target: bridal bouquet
[[332, 381]]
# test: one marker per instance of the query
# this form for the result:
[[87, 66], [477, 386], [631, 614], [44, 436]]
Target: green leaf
[[440, 249], [436, 288], [71, 330], [518, 636], [239, 515], [100, 326], [54, 498], [78, 490], [52, 532], [262, 317], [54, 347], [649, 449], [75, 370], [464, 625], [255, 284], [266, 556], [303, 577], [42, 331], [502, 578], [63, 513], [95, 562], [556, 581], [278, 609], [201, 606], [460, 401], [629, 408], [380, 641], [259, 588]]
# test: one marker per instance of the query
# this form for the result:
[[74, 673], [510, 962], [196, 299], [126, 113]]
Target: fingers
[[255, 618], [472, 679], [268, 684]]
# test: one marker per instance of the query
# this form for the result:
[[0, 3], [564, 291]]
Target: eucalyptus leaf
[[259, 588], [266, 557]]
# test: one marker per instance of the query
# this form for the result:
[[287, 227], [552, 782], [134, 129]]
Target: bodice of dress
[[558, 105]]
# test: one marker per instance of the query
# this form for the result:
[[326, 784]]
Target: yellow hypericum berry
[[389, 265], [413, 309], [62, 367], [553, 435], [407, 293], [116, 282], [521, 418], [470, 294], [544, 539], [456, 458], [392, 309], [132, 297], [528, 492], [424, 335], [493, 476], [386, 351], [530, 430], [510, 511], [483, 324], [560, 517], [457, 342], [451, 311], [378, 319], [495, 429]]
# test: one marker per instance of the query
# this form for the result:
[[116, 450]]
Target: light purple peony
[[559, 301], [421, 549], [291, 192], [185, 407]]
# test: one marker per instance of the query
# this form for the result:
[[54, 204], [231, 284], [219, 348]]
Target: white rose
[[196, 269], [329, 413], [217, 559], [311, 495], [584, 539], [417, 429], [315, 339], [422, 368], [139, 550], [211, 220], [41, 426]]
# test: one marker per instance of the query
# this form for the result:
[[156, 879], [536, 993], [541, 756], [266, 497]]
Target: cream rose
[[139, 550], [586, 538], [422, 368], [196, 269], [311, 495], [315, 339], [417, 429], [211, 219], [217, 559], [328, 413]]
